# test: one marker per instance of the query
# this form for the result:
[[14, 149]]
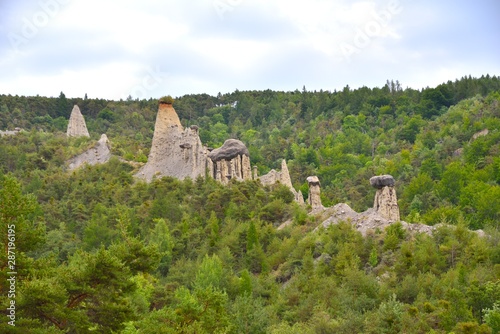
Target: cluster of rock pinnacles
[[178, 152]]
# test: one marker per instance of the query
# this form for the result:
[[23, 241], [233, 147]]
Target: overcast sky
[[151, 48]]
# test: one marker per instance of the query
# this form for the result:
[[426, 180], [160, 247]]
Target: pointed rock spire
[[285, 175], [386, 201], [76, 124], [175, 151], [282, 177]]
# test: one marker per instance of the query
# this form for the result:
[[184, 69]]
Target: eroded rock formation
[[386, 202], [365, 222], [97, 154], [482, 133], [76, 124], [314, 199], [230, 161], [282, 177], [10, 132], [179, 153], [175, 151]]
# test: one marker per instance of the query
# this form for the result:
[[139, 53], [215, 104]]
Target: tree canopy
[[98, 250]]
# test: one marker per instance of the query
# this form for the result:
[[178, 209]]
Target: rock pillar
[[76, 124], [175, 151], [255, 173], [232, 161], [285, 176], [314, 199], [386, 202], [246, 168]]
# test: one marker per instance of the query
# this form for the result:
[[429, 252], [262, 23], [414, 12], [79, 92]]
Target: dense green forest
[[99, 251]]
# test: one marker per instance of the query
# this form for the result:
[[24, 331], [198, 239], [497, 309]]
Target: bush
[[167, 99]]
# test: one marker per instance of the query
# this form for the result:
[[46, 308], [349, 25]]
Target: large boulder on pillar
[[314, 199], [386, 201], [230, 161], [229, 150], [382, 181]]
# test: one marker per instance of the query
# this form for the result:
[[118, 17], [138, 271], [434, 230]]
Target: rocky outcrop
[[179, 153], [370, 220], [482, 133], [282, 177], [76, 124], [384, 213], [287, 181], [175, 151], [230, 161], [285, 175], [10, 132], [385, 202], [97, 154], [314, 199], [229, 150]]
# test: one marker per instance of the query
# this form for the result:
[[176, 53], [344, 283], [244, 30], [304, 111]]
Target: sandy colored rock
[[255, 173], [175, 151], [246, 168], [270, 178], [386, 203], [285, 175], [210, 168], [97, 154], [482, 133], [10, 132], [365, 222], [76, 124], [235, 168], [299, 198], [314, 198], [230, 161], [282, 177]]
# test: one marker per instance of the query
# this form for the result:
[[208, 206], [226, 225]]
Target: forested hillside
[[98, 250]]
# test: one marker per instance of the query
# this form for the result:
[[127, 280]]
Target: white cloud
[[114, 80], [238, 56]]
